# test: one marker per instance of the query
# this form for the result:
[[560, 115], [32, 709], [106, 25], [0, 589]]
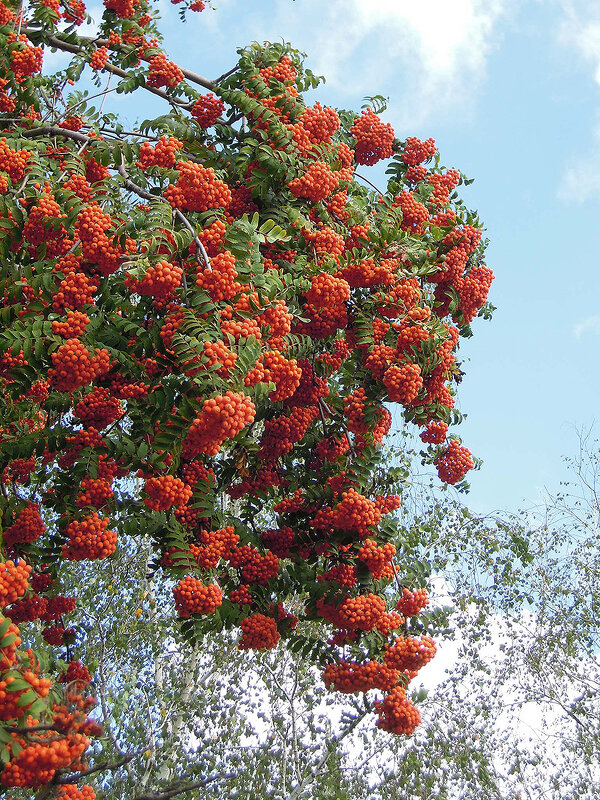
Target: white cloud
[[579, 29], [588, 325], [430, 55], [581, 179]]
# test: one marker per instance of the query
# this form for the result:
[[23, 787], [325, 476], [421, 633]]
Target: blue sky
[[510, 91]]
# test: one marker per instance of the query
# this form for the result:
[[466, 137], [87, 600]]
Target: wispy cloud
[[588, 325], [579, 29], [581, 180]]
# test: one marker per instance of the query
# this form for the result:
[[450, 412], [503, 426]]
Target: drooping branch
[[105, 765], [188, 787]]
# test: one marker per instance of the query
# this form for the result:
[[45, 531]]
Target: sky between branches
[[510, 91]]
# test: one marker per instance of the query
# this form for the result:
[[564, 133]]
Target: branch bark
[[167, 793]]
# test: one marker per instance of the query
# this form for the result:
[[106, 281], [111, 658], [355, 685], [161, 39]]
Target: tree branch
[[60, 44], [167, 793], [55, 130], [68, 47], [77, 776]]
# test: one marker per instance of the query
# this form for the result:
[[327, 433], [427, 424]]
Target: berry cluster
[[99, 408], [28, 527], [220, 418], [74, 367], [165, 492], [197, 189], [417, 151], [89, 538], [160, 280], [403, 382], [162, 154], [455, 462], [397, 714], [410, 654], [192, 597], [207, 110], [14, 580], [259, 633], [411, 603], [163, 72], [317, 183], [374, 139], [350, 678], [326, 290]]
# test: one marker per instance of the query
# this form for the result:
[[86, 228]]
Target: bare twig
[[189, 787], [199, 246], [366, 180], [105, 765]]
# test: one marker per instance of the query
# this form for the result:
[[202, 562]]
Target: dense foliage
[[204, 323]]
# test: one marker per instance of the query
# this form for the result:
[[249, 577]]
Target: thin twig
[[366, 180], [199, 246], [226, 74], [77, 776], [164, 795]]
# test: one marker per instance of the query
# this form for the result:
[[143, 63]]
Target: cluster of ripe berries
[[403, 382], [349, 677], [193, 597], [317, 183], [207, 110], [162, 154], [219, 419], [160, 280], [163, 72], [14, 580], [165, 492], [374, 139], [454, 463], [327, 290], [397, 714], [74, 367], [28, 527], [259, 632], [89, 538], [197, 189], [99, 408]]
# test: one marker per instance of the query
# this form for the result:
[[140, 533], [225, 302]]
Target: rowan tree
[[205, 321]]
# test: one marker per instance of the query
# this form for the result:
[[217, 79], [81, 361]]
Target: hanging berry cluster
[[225, 315]]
